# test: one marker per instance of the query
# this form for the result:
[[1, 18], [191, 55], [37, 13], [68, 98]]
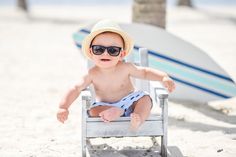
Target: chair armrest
[[86, 94], [86, 97], [158, 90], [161, 93]]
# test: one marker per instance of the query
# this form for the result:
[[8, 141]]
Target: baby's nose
[[105, 52]]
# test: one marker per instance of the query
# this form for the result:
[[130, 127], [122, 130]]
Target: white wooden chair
[[155, 125]]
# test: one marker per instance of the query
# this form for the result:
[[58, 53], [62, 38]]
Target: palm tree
[[150, 11], [22, 4]]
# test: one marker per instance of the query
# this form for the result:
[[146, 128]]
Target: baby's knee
[[147, 99]]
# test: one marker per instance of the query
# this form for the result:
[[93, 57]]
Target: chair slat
[[117, 129]]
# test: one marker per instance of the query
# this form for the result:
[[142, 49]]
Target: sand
[[39, 61]]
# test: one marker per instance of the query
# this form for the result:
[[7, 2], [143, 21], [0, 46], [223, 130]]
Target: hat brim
[[128, 41]]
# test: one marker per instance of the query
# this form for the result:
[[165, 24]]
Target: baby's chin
[[107, 64]]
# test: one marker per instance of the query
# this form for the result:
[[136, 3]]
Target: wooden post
[[22, 4], [150, 11], [187, 3]]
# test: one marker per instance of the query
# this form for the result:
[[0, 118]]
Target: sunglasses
[[111, 50]]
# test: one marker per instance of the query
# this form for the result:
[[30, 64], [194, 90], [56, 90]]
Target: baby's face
[[111, 44]]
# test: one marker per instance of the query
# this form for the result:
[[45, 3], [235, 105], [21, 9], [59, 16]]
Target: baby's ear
[[90, 51], [123, 54]]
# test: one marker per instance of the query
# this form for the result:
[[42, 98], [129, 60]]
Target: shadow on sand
[[208, 111], [105, 150]]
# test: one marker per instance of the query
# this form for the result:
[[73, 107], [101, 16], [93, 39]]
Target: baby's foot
[[135, 121], [111, 114]]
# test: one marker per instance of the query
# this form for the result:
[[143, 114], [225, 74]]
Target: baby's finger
[[169, 89], [60, 119], [103, 117], [104, 120], [172, 86], [64, 118], [167, 86]]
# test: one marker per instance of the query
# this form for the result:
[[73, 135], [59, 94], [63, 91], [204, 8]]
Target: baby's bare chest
[[111, 82]]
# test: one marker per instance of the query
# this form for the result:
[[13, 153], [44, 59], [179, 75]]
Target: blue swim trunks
[[125, 103]]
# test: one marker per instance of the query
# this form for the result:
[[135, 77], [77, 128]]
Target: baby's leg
[[141, 111], [107, 113], [95, 111]]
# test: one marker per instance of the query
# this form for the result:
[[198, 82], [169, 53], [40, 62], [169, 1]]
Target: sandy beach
[[39, 62]]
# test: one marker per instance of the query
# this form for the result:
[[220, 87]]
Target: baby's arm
[[70, 97], [148, 73]]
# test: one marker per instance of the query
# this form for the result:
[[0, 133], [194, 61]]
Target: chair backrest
[[89, 65], [143, 85]]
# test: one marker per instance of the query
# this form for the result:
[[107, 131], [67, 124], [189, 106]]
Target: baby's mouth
[[105, 60]]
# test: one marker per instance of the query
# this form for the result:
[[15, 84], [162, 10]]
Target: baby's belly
[[111, 95]]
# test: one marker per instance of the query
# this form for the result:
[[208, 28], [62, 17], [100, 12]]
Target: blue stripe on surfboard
[[179, 62], [85, 31], [192, 85], [78, 45], [200, 88], [154, 53]]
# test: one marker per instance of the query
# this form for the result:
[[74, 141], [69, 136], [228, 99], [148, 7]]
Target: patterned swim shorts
[[125, 103]]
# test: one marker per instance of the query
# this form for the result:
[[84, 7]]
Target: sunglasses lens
[[113, 51], [98, 50]]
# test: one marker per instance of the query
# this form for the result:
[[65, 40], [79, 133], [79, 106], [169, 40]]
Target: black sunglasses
[[111, 50]]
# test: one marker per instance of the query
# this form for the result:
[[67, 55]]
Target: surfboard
[[198, 77]]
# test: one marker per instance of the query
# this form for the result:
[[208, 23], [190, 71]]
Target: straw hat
[[106, 26]]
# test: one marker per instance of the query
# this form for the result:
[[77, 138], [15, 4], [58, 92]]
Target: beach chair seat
[[154, 126]]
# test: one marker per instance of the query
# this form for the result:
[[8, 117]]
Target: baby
[[106, 46]]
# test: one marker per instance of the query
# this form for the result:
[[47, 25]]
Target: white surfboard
[[197, 76]]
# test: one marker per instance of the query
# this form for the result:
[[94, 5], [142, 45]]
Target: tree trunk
[[187, 3], [22, 4], [150, 11]]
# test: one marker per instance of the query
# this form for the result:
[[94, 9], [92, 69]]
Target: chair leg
[[154, 141], [163, 146], [83, 131], [83, 145], [164, 103], [85, 103]]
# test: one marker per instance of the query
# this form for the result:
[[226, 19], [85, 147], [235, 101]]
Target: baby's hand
[[168, 83], [62, 115]]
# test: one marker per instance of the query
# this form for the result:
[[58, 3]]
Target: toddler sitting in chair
[[106, 46]]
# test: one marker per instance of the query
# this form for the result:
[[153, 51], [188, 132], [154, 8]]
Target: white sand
[[39, 61]]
